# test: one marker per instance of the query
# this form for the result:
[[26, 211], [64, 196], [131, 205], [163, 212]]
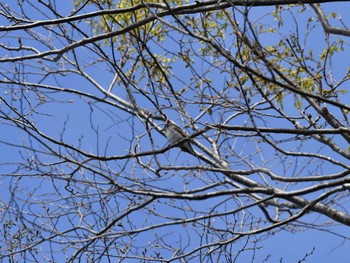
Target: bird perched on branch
[[175, 134]]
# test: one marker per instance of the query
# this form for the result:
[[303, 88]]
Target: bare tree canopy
[[172, 131]]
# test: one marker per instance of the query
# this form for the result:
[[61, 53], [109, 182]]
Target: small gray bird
[[174, 134]]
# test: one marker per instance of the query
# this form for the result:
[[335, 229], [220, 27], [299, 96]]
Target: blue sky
[[102, 129]]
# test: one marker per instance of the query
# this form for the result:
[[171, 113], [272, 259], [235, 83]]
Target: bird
[[175, 134]]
